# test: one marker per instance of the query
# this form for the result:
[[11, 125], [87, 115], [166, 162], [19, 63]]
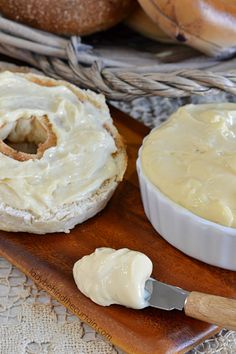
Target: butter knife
[[217, 310]]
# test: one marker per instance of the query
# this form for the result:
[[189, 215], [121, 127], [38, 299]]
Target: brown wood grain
[[212, 309], [49, 259]]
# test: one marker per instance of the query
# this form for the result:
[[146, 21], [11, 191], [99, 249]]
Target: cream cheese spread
[[192, 159], [70, 171], [110, 276]]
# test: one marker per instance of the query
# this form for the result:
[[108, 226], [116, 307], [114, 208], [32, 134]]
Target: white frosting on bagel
[[72, 170]]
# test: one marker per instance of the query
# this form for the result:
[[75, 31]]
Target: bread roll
[[77, 158], [140, 22], [207, 25], [67, 17]]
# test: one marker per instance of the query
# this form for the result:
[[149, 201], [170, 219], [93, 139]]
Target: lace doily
[[31, 322]]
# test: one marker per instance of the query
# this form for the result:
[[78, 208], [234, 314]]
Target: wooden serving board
[[49, 260]]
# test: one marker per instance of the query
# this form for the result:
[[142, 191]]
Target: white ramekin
[[197, 237]]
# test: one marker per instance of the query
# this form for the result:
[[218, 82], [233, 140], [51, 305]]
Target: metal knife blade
[[164, 296]]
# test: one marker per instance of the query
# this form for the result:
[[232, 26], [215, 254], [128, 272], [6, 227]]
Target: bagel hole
[[24, 135], [28, 148]]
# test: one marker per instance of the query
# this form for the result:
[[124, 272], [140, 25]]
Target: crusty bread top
[[67, 17], [207, 25]]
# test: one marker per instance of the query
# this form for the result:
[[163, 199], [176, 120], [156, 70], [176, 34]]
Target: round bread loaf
[[61, 157], [67, 17], [207, 25]]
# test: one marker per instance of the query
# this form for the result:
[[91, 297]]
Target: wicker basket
[[128, 67]]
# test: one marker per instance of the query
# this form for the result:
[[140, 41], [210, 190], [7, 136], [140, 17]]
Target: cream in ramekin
[[187, 178]]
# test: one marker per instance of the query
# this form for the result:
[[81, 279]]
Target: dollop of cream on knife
[[110, 276]]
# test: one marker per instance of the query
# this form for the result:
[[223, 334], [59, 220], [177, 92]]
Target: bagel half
[[207, 25], [63, 217]]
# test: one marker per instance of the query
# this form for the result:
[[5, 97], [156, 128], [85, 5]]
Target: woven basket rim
[[83, 64]]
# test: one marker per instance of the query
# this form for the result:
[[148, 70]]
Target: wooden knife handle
[[213, 309]]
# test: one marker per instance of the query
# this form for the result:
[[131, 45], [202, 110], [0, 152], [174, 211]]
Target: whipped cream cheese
[[192, 160], [74, 168], [110, 276]]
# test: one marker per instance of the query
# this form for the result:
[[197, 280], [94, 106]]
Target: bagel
[[67, 17], [140, 22], [61, 157], [207, 25]]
